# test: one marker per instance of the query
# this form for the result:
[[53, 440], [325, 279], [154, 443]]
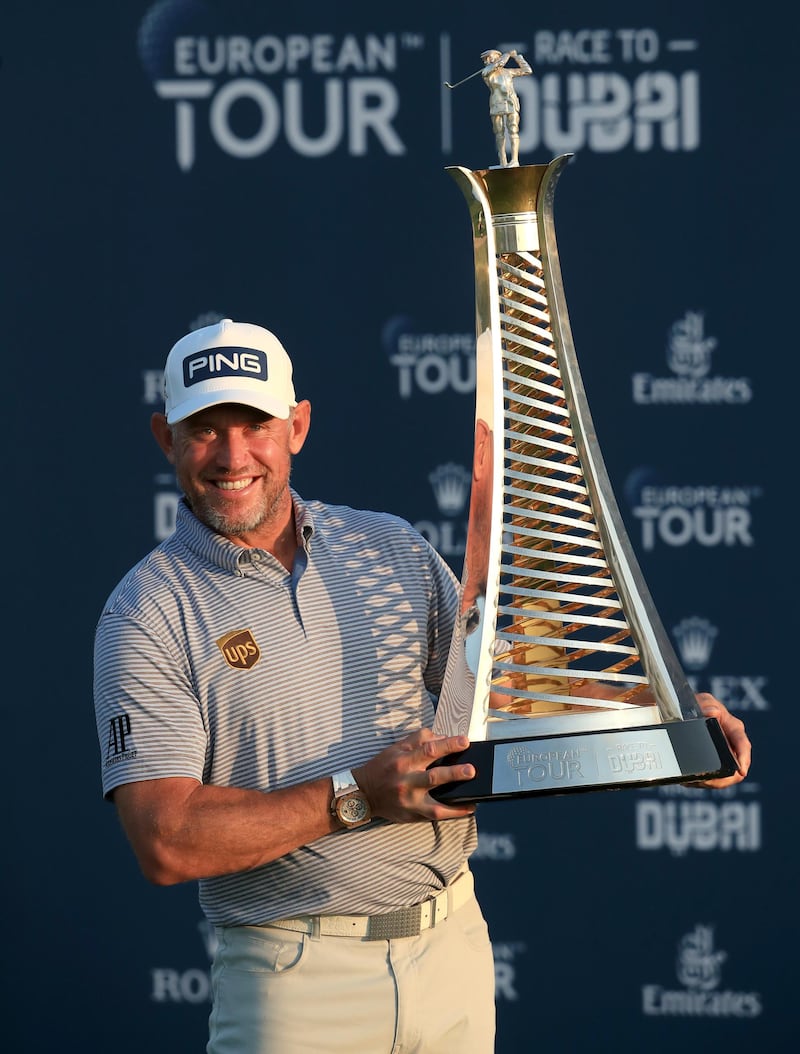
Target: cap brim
[[203, 400]]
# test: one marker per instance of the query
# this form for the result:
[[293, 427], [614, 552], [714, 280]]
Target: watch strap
[[343, 783], [349, 803]]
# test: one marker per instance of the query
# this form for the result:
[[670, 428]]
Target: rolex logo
[[695, 637], [451, 485]]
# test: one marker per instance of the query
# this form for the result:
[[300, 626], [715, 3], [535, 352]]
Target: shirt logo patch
[[117, 748], [239, 649]]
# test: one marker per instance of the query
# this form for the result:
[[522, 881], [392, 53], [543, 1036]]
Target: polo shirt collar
[[210, 546]]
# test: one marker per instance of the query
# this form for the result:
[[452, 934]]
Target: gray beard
[[229, 527]]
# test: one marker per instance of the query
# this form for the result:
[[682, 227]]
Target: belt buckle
[[402, 923]]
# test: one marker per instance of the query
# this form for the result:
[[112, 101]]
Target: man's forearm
[[182, 830]]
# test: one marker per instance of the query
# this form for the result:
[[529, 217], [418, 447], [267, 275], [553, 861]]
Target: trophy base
[[673, 752]]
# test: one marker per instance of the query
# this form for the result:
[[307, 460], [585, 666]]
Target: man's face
[[233, 464]]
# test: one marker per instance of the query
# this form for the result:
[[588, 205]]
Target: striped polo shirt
[[212, 661]]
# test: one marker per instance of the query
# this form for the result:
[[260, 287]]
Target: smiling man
[[265, 683], [265, 686]]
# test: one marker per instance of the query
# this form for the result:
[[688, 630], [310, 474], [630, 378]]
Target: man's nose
[[231, 450]]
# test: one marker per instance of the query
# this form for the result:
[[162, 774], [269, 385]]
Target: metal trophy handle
[[560, 671]]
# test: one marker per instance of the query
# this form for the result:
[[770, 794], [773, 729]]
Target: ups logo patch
[[239, 649]]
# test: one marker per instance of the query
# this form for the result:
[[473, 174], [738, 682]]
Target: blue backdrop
[[166, 164]]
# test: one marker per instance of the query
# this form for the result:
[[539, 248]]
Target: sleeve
[[149, 721]]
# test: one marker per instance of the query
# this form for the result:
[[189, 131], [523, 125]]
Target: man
[[265, 683], [504, 101]]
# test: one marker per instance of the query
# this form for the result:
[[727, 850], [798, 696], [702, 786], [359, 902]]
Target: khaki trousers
[[280, 992]]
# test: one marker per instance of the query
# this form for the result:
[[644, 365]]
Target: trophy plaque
[[560, 671]]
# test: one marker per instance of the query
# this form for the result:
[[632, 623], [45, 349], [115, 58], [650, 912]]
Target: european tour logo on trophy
[[560, 671]]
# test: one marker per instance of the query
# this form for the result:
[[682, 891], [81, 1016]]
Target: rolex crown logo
[[695, 637], [451, 485]]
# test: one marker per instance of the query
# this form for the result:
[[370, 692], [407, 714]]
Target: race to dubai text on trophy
[[560, 671]]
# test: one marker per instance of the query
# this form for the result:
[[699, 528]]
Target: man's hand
[[734, 731], [397, 782]]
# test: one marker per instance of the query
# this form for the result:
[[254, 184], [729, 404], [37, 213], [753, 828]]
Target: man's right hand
[[397, 782]]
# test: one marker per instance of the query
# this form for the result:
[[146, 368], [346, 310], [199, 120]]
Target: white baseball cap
[[230, 362]]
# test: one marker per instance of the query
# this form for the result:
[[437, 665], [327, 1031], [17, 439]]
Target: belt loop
[[315, 935], [445, 900]]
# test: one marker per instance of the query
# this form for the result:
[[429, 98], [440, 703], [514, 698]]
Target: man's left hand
[[736, 736]]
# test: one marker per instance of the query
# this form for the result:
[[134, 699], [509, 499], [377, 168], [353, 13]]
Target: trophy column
[[560, 671]]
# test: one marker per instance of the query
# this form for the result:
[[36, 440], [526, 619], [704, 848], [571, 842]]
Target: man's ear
[[163, 436], [299, 426]]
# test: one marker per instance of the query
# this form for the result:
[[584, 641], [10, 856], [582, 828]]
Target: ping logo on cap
[[225, 362]]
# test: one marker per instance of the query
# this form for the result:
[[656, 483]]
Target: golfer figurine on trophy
[[504, 101], [560, 671]]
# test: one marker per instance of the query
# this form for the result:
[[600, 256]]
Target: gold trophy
[[560, 671]]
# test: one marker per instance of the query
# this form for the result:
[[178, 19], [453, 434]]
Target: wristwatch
[[349, 804]]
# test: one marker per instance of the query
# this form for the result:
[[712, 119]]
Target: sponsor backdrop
[[170, 163]]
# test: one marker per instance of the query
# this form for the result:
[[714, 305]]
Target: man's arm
[[182, 830], [523, 66]]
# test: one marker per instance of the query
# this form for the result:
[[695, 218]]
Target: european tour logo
[[239, 649]]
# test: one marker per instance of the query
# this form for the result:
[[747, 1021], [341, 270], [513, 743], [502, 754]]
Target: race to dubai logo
[[698, 969], [689, 352], [602, 89]]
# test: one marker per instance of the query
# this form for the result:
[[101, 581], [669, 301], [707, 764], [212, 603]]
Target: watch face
[[352, 809]]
